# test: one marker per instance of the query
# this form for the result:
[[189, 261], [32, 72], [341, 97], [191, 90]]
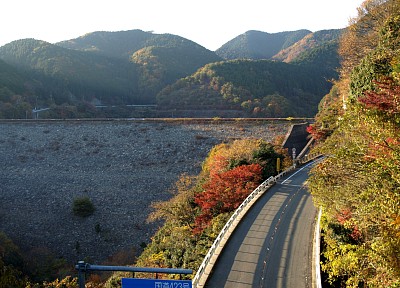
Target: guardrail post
[[81, 274]]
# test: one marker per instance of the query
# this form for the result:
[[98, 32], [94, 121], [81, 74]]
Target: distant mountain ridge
[[307, 43], [133, 67], [120, 44], [123, 44], [258, 45]]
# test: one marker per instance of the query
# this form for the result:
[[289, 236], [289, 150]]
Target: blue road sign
[[155, 283]]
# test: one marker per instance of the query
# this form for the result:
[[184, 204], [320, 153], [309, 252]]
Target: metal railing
[[83, 268], [307, 158], [209, 260]]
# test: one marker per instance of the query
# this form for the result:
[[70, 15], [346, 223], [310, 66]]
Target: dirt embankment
[[121, 166]]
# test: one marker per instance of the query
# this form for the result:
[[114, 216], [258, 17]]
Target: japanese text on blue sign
[[155, 283]]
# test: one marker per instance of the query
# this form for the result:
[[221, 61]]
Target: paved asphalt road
[[272, 246]]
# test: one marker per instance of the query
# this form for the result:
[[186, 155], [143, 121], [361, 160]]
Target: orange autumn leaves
[[225, 191], [231, 172]]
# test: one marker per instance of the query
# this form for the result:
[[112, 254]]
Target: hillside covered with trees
[[357, 185], [261, 88], [76, 80], [82, 77], [259, 45]]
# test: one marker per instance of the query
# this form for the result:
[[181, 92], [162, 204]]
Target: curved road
[[272, 245]]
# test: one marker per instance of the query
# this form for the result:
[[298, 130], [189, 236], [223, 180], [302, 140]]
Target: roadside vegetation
[[202, 204], [358, 184]]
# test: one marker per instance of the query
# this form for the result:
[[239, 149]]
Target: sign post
[[278, 164], [83, 267]]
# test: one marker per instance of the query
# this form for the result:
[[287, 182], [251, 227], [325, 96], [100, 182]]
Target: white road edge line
[[305, 166]]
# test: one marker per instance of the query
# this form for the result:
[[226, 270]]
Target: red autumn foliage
[[345, 215], [224, 192], [384, 151], [316, 133], [385, 99], [356, 233]]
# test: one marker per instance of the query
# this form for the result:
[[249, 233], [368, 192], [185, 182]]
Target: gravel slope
[[122, 166]]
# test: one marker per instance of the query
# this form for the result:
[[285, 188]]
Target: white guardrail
[[317, 247], [207, 265]]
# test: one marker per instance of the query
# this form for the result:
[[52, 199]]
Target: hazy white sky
[[209, 23]]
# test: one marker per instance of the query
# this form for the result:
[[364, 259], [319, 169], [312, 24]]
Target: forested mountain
[[302, 46], [107, 68], [261, 88], [310, 42], [120, 44], [11, 81], [132, 67], [123, 44], [69, 75], [161, 58], [15, 92], [259, 45]]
